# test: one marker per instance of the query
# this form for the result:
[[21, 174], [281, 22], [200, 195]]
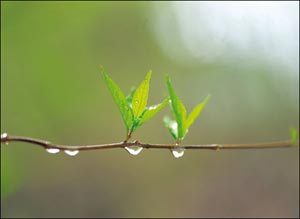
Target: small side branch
[[5, 139]]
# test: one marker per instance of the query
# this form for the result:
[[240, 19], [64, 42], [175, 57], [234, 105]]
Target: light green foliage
[[179, 128], [135, 113], [171, 126], [178, 110], [196, 112], [120, 100], [140, 97], [130, 95], [294, 135], [151, 111], [133, 107]]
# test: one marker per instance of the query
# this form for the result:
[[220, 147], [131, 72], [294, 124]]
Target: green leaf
[[140, 97], [149, 112], [294, 135], [120, 100], [196, 112], [172, 127], [178, 110], [130, 96]]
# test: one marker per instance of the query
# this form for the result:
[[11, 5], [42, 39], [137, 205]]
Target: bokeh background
[[246, 54]]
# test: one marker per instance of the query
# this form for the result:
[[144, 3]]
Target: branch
[[5, 139]]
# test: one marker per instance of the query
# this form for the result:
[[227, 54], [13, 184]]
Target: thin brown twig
[[5, 139]]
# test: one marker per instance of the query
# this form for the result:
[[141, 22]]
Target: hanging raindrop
[[178, 152], [52, 150], [71, 153], [3, 138], [134, 150]]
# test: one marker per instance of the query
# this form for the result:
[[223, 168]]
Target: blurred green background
[[246, 56]]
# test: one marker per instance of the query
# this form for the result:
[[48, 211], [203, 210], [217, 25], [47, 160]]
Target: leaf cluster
[[180, 126], [135, 112]]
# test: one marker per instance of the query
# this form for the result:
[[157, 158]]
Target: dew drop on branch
[[178, 152], [52, 150], [134, 150], [71, 153], [4, 136]]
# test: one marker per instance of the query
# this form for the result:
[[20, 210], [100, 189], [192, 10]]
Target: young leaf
[[172, 126], [178, 109], [196, 112], [120, 100], [149, 112], [140, 97], [130, 96]]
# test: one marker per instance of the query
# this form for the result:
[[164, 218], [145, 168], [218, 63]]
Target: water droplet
[[71, 153], [134, 150], [174, 126], [152, 108], [178, 152], [4, 135], [52, 150]]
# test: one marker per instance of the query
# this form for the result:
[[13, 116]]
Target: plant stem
[[5, 139], [129, 134]]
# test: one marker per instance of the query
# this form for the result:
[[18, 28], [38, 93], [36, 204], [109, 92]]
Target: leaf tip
[[167, 78], [101, 68], [207, 98], [149, 74], [103, 72]]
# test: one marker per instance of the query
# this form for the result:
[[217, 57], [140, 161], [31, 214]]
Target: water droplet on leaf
[[52, 150], [71, 153], [152, 108], [178, 152], [134, 150]]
